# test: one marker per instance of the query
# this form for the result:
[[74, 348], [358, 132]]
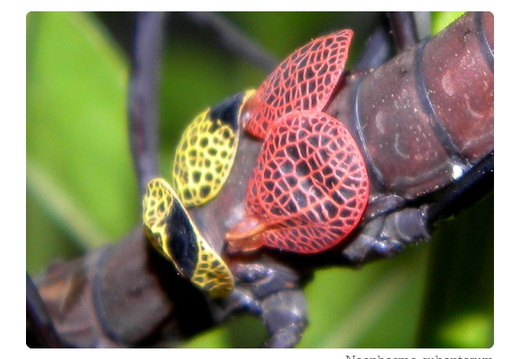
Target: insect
[[309, 165], [376, 107], [317, 154], [402, 208]]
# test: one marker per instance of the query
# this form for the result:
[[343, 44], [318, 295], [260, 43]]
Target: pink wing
[[310, 185], [303, 81]]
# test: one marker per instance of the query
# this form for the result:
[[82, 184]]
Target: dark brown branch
[[404, 30], [41, 331], [235, 40], [122, 295], [142, 99]]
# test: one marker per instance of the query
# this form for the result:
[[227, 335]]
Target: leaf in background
[[376, 306], [76, 130], [459, 302], [442, 19]]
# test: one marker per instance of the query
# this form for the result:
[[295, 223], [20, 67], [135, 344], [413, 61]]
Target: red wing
[[303, 81], [310, 185]]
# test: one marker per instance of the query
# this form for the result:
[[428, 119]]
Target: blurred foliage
[[79, 172], [441, 19], [81, 189]]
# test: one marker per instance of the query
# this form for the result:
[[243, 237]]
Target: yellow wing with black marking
[[172, 232], [206, 151]]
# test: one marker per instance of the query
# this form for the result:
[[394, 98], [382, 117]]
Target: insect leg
[[272, 292], [388, 235], [285, 316]]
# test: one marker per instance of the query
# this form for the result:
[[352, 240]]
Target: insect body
[[310, 185]]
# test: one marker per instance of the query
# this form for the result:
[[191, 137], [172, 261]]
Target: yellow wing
[[172, 232], [206, 151]]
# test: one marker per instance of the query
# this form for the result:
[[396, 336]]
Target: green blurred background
[[82, 193]]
